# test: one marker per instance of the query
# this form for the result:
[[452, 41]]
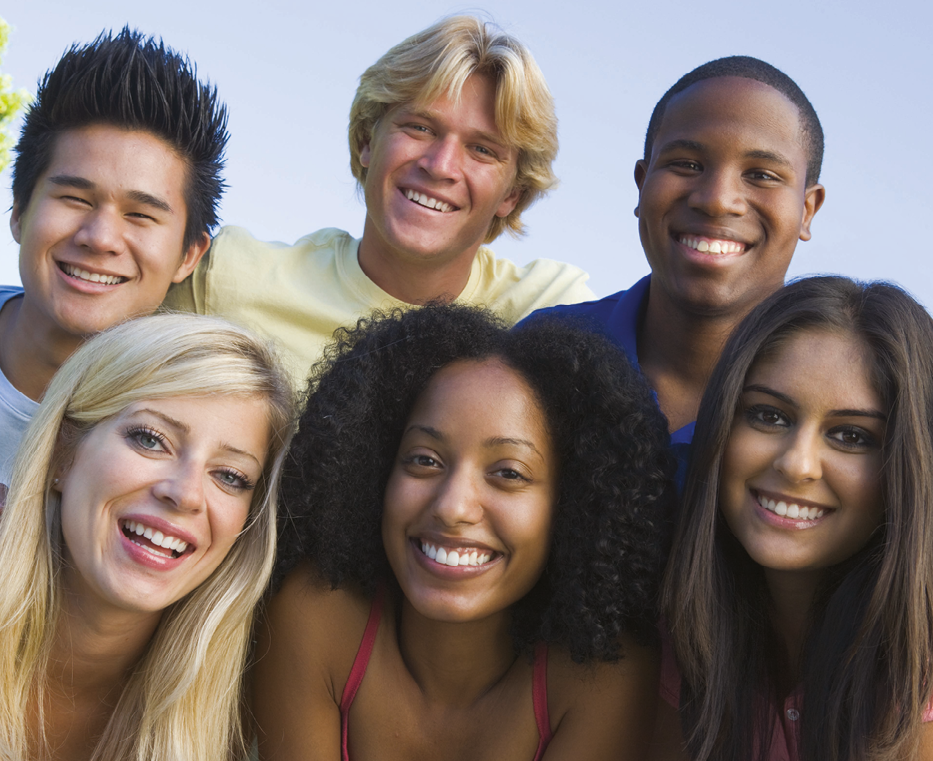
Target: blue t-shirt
[[617, 317]]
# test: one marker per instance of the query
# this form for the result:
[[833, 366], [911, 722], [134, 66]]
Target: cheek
[[227, 523]]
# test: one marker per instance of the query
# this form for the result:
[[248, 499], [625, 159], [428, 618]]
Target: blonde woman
[[137, 537]]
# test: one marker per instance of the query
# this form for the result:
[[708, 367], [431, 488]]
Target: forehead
[[119, 159], [734, 111], [485, 392], [826, 368], [473, 108]]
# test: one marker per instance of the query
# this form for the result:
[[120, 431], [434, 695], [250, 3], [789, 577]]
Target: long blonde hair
[[183, 698]]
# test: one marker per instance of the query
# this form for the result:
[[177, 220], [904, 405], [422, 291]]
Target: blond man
[[452, 136]]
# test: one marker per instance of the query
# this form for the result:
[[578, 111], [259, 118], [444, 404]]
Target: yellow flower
[[11, 101]]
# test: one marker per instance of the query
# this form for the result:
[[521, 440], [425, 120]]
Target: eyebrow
[[758, 154], [489, 137], [832, 413], [496, 441], [139, 196], [493, 441], [185, 428]]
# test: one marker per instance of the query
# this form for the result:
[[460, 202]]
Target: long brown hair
[[867, 658]]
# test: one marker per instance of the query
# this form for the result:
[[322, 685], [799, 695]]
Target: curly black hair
[[615, 492]]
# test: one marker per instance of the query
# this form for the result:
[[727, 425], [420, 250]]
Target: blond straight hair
[[439, 61], [183, 699]]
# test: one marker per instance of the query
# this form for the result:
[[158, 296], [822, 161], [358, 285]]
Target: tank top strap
[[360, 663], [539, 696]]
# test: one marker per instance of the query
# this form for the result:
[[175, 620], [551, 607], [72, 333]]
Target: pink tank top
[[358, 671]]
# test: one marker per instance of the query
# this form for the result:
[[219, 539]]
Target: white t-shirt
[[16, 409]]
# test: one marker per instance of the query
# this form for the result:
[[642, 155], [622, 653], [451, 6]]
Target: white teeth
[[156, 537], [423, 200], [455, 557], [94, 277], [712, 247], [791, 510]]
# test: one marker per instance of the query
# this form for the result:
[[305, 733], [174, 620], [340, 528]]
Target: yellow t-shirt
[[299, 295]]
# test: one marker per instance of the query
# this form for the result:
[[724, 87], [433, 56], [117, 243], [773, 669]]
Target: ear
[[16, 222], [365, 155], [508, 204], [191, 257], [641, 171], [813, 200]]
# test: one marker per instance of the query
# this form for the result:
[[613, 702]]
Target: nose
[[458, 501], [100, 231], [800, 460], [181, 487], [442, 158], [718, 193]]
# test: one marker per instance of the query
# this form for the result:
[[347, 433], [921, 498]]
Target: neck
[[677, 351], [455, 662], [31, 351], [792, 595], [95, 648], [413, 279]]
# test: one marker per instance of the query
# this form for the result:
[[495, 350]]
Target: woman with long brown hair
[[799, 594]]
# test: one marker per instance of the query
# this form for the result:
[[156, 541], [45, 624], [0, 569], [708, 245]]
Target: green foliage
[[10, 101]]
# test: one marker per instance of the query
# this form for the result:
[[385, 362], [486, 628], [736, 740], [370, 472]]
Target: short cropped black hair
[[135, 83], [750, 68], [615, 493]]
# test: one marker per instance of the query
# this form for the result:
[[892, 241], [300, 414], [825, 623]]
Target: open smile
[[153, 541], [428, 202], [453, 558], [90, 277], [792, 512], [714, 246]]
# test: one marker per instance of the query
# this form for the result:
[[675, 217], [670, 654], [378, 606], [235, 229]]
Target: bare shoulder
[[667, 743], [307, 638], [313, 623], [603, 710]]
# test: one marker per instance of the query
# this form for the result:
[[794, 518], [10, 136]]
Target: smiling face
[[469, 505], [723, 200], [101, 239], [436, 177], [155, 497], [801, 474]]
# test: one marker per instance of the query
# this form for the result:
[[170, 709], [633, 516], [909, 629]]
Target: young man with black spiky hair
[[115, 190]]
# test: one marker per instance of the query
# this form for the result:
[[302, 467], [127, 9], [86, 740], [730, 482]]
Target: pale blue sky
[[288, 71]]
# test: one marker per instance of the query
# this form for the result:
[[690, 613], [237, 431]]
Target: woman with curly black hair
[[486, 512]]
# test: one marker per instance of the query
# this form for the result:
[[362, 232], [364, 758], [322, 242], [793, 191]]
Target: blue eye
[[234, 479], [146, 438]]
